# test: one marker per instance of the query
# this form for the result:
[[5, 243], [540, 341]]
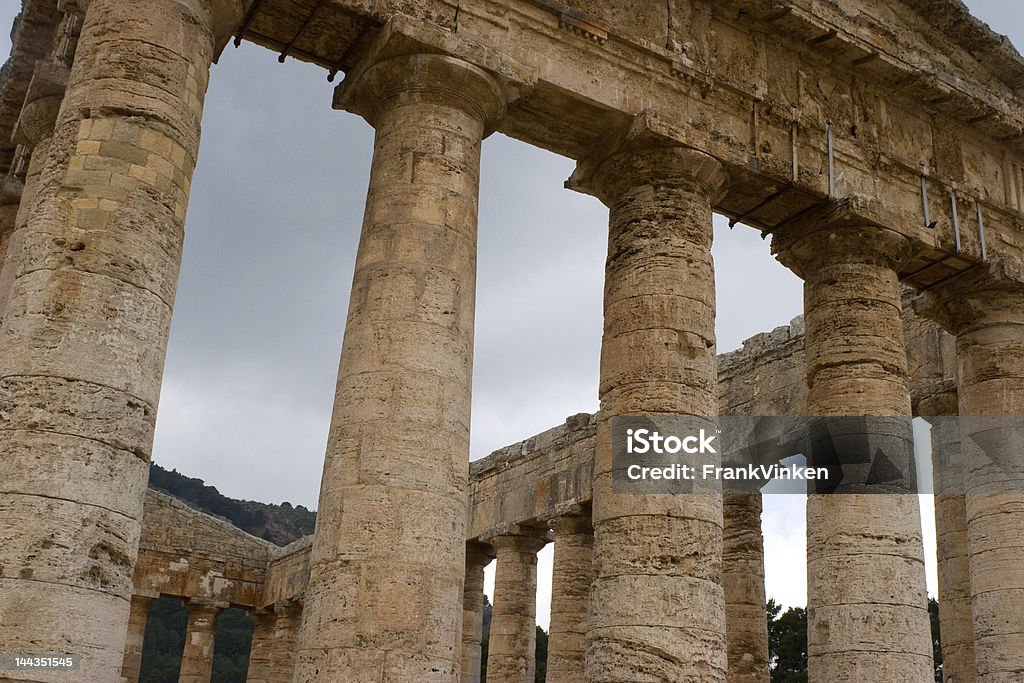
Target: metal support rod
[[298, 34], [956, 220], [924, 198], [756, 124], [793, 132], [981, 230], [247, 21], [831, 163]]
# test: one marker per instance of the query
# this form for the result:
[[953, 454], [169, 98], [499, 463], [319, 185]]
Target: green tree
[[541, 651], [787, 643], [933, 615]]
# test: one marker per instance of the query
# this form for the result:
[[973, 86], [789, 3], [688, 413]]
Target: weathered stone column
[[86, 321], [197, 658], [388, 560], [657, 610], [867, 605], [985, 310], [955, 621], [746, 627], [478, 556], [33, 132], [260, 652], [132, 661], [286, 636], [511, 651], [570, 593], [11, 190]]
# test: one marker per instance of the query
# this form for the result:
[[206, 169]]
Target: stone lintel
[[403, 36], [200, 604]]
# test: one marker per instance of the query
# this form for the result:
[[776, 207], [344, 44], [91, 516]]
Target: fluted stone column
[[511, 650], [388, 559], [478, 556], [288, 615], [955, 621], [657, 610], [985, 310], [746, 626], [867, 605], [132, 662], [11, 191], [85, 327], [197, 658], [33, 130], [260, 652], [570, 592]]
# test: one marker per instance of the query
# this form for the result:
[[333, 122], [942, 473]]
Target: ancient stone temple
[[880, 146]]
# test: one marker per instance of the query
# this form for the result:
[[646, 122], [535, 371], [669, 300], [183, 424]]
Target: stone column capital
[[571, 523], [478, 554], [412, 62], [205, 606], [42, 103], [645, 154], [988, 295], [287, 608], [10, 190], [425, 79], [519, 539], [828, 238], [222, 17]]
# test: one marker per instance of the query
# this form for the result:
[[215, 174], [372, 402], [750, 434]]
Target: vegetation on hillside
[[279, 524]]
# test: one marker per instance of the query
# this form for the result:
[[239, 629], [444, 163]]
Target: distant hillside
[[279, 524]]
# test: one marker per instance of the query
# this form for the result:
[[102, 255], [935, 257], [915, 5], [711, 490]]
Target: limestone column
[[388, 559], [197, 658], [288, 615], [33, 131], [260, 652], [985, 310], [478, 556], [511, 650], [137, 614], [570, 593], [867, 605], [657, 610], [11, 190], [746, 626], [85, 327], [954, 573]]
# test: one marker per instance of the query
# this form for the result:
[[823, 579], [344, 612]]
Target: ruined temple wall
[[533, 479], [288, 573], [766, 375], [187, 553]]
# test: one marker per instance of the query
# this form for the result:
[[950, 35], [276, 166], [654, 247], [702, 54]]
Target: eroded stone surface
[[867, 612]]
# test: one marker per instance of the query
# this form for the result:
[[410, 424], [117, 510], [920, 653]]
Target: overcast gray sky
[[272, 231]]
